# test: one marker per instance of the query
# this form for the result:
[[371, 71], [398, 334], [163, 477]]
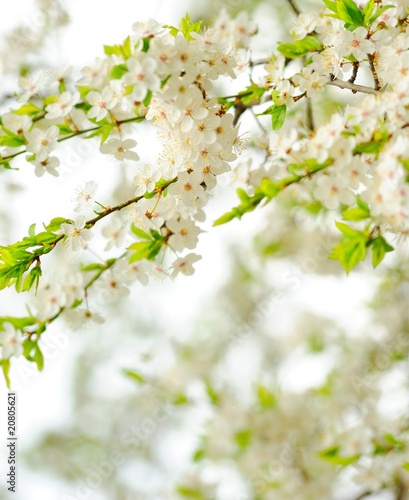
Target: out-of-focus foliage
[[271, 400]]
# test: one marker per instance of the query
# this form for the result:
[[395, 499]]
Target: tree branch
[[353, 87], [76, 133]]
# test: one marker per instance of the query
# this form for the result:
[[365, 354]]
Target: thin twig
[[310, 115], [294, 7], [354, 72], [239, 109], [364, 494], [90, 223]]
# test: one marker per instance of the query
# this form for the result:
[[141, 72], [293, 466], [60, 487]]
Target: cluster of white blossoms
[[364, 149], [357, 161], [159, 75]]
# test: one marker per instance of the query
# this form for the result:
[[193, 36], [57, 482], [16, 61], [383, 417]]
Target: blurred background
[[229, 384]]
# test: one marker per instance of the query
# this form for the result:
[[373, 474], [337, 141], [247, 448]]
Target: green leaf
[[353, 247], [190, 493], [350, 13], [146, 43], [331, 455], [142, 250], [278, 116], [46, 237], [83, 90], [379, 12], [156, 235], [27, 109], [243, 438], [118, 71], [367, 10], [224, 219], [11, 139], [394, 442], [104, 131], [31, 230], [133, 375], [348, 231], [379, 248], [32, 278], [127, 48], [269, 188], [252, 93], [172, 29], [265, 397], [244, 197], [356, 214], [64, 129], [198, 455], [38, 357], [18, 323], [214, 397], [154, 250], [148, 99], [50, 99], [299, 48], [278, 113], [138, 232], [187, 27], [331, 5], [111, 50], [350, 253], [6, 164], [55, 224], [372, 147], [5, 365]]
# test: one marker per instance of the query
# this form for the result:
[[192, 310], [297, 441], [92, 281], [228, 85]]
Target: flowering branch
[[109, 210], [6, 159]]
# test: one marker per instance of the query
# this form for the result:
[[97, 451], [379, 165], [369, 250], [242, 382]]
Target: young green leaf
[[300, 48], [379, 248]]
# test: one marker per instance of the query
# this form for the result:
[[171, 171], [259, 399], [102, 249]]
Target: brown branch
[[400, 489], [239, 109], [374, 72], [354, 72], [353, 87]]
